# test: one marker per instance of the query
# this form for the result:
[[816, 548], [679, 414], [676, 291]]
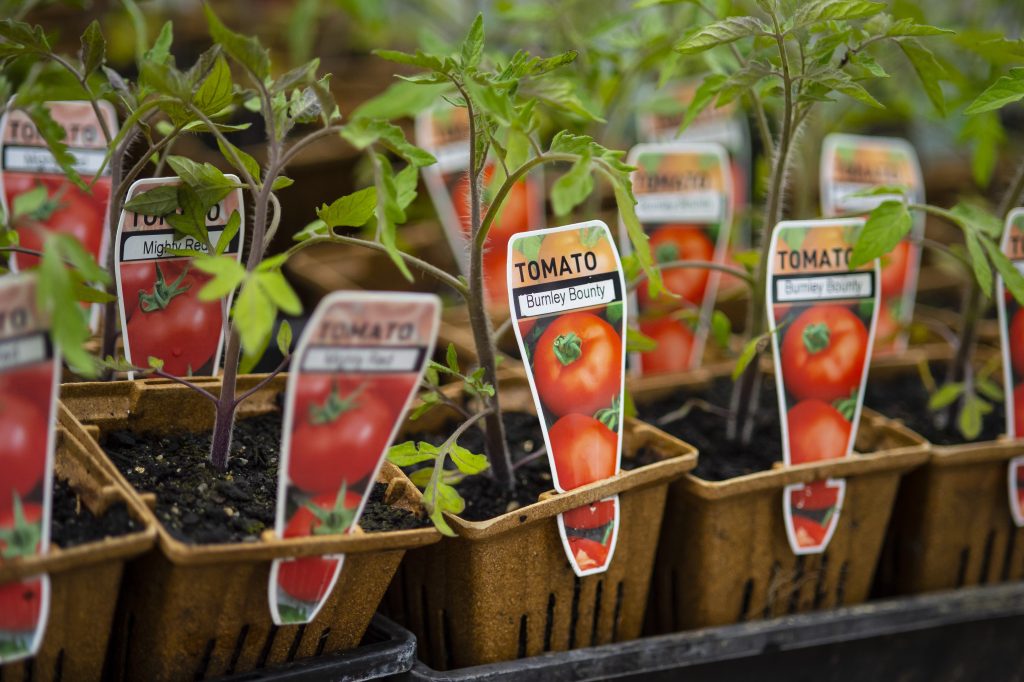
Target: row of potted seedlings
[[559, 480]]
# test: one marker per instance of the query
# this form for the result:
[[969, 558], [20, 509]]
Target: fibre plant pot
[[84, 579], [503, 589], [724, 556], [192, 611], [952, 525]]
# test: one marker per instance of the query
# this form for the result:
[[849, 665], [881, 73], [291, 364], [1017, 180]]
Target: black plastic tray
[[386, 649], [967, 634]]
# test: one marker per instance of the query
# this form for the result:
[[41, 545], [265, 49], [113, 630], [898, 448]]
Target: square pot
[[724, 555], [503, 588], [197, 611], [84, 580]]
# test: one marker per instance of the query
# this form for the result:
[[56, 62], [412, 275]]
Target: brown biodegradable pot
[[503, 589], [84, 580], [197, 611], [724, 556], [952, 525]]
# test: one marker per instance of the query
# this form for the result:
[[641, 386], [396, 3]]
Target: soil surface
[[201, 505], [720, 460], [72, 523], [485, 497], [905, 398]]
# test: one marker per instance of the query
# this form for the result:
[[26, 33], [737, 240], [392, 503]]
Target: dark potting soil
[[485, 497], [719, 459], [905, 398], [72, 524], [200, 505]]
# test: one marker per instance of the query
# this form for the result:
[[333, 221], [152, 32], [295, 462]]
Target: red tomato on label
[[588, 553], [33, 384], [894, 270], [496, 277], [20, 604], [816, 431], [71, 212], [681, 242], [304, 522], [1018, 410], [559, 244], [577, 364], [347, 448], [1016, 339], [184, 333], [675, 345], [809, 533], [823, 353], [515, 211], [22, 448], [887, 329], [584, 450], [306, 579], [590, 516]]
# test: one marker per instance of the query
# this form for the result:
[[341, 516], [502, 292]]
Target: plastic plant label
[[1011, 332], [354, 372], [444, 132], [566, 300], [852, 164], [658, 118], [684, 201], [158, 289], [29, 379], [822, 317], [34, 186]]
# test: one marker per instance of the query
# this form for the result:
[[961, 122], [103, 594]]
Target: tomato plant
[[577, 364], [20, 604], [584, 450], [307, 578], [675, 345], [823, 353], [681, 242], [817, 431]]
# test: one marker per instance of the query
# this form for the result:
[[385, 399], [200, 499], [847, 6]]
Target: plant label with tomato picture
[[444, 132], [822, 317], [354, 372], [1011, 332], [29, 380], [850, 166], [163, 315], [684, 201], [566, 300]]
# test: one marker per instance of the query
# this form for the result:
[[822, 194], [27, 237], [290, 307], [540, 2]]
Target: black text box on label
[[825, 287], [566, 295], [358, 359]]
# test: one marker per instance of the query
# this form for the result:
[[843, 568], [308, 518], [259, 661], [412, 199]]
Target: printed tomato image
[[22, 449], [515, 211], [1018, 409], [558, 244], [32, 383], [816, 431], [589, 554], [20, 529], [338, 440], [496, 277], [675, 345], [591, 516], [168, 321], [20, 604], [823, 353], [1016, 339], [894, 270], [66, 210], [584, 450], [324, 515], [681, 242], [577, 364], [813, 506], [306, 579]]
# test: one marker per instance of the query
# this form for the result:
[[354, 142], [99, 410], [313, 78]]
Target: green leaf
[[161, 49], [407, 453], [721, 328], [158, 201], [638, 342], [230, 230], [452, 358], [928, 70], [284, 337], [245, 50], [473, 45], [279, 291], [245, 161], [361, 133], [401, 99], [280, 182], [750, 351], [990, 389], [420, 59], [216, 92], [192, 219], [55, 298], [721, 33], [975, 218], [300, 75], [638, 238], [982, 270], [253, 315], [945, 396], [886, 226], [53, 134], [209, 183], [227, 273], [467, 462], [908, 27], [843, 84], [972, 415], [1006, 90], [83, 262], [834, 10], [573, 187], [389, 211], [1012, 278], [316, 228], [94, 49], [29, 202], [702, 97], [352, 210], [155, 362]]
